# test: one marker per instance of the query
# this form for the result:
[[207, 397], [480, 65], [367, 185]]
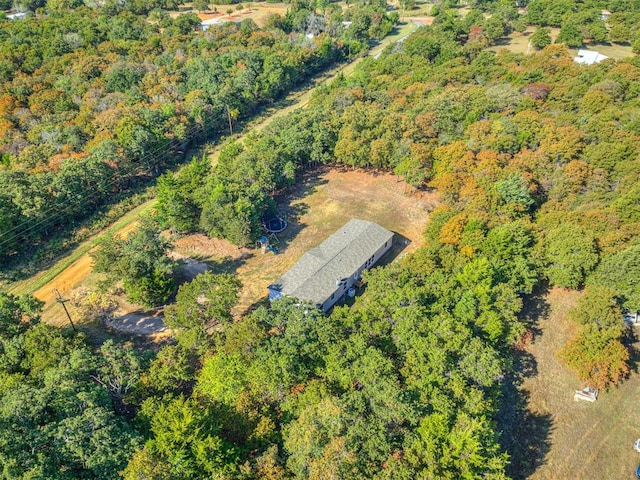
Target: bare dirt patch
[[573, 439], [66, 281], [199, 245], [139, 322]]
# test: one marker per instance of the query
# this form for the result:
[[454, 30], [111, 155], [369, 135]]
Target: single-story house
[[325, 273], [604, 15], [589, 57]]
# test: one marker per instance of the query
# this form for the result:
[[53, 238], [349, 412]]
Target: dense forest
[[536, 161], [94, 103]]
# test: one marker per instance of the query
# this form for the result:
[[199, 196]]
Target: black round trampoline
[[275, 225]]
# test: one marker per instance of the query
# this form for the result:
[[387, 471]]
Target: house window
[[332, 296], [385, 243]]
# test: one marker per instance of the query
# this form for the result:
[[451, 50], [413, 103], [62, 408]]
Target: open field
[[519, 43], [258, 12], [317, 207], [557, 437]]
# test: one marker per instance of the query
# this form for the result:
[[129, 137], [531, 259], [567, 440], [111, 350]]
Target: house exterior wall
[[341, 290], [273, 294]]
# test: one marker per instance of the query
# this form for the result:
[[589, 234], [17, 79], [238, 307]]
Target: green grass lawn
[[519, 43]]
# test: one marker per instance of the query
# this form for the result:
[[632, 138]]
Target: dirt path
[[69, 272]]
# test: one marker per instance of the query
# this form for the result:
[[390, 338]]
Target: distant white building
[[589, 57], [207, 24], [604, 15], [16, 16]]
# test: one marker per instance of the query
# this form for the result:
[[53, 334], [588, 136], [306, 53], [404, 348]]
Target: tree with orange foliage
[[451, 232], [597, 356]]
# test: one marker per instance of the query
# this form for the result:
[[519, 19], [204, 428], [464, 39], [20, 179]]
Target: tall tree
[[203, 307], [140, 261]]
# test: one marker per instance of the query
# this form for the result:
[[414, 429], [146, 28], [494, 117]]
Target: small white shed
[[589, 57]]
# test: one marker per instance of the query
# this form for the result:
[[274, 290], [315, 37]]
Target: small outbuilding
[[211, 22], [589, 57], [16, 16], [325, 273], [631, 318]]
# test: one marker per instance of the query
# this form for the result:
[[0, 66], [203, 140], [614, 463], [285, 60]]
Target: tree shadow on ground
[[228, 264], [189, 268], [306, 185], [505, 41], [400, 243], [535, 307], [290, 207], [523, 434], [630, 341], [262, 302]]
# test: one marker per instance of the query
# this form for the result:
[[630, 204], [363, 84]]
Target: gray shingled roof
[[314, 276]]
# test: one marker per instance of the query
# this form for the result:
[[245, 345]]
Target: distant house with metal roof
[[589, 57], [325, 273]]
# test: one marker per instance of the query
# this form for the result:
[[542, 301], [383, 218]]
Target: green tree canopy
[[616, 271], [203, 307], [140, 261]]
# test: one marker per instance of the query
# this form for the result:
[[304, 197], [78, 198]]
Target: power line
[[51, 219], [146, 157], [146, 160], [62, 302]]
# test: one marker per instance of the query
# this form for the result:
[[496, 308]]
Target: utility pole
[[62, 302], [229, 118]]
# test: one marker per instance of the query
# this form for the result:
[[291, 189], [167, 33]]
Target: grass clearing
[[562, 438], [324, 201], [519, 43]]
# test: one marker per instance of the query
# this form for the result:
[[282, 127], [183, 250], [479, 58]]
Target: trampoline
[[275, 225]]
